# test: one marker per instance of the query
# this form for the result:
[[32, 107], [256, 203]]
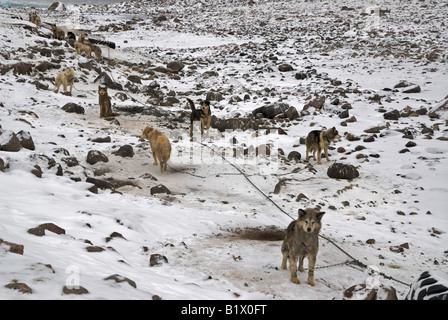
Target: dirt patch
[[271, 233]]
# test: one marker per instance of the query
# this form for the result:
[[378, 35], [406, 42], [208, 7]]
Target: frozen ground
[[220, 236]]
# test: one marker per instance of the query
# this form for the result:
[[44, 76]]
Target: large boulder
[[270, 111], [285, 67], [342, 171], [175, 66]]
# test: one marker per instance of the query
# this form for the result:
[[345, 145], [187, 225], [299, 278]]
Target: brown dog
[[160, 146], [58, 33], [96, 50], [318, 140], [65, 78]]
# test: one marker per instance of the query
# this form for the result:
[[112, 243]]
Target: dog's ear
[[320, 215], [207, 102], [302, 213]]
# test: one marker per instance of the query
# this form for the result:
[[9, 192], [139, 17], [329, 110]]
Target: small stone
[[301, 196], [74, 290], [118, 279], [125, 151], [22, 287], [38, 231], [94, 156], [159, 189], [413, 89], [94, 249], [9, 141], [157, 259], [73, 108], [294, 155]]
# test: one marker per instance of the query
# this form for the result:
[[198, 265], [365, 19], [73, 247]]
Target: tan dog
[[65, 78], [58, 33], [94, 48], [34, 18], [104, 101], [160, 146], [82, 39], [83, 48]]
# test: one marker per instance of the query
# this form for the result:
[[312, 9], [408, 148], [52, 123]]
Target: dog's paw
[[295, 280], [311, 282]]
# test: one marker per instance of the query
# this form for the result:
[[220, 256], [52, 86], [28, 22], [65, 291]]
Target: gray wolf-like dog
[[301, 241]]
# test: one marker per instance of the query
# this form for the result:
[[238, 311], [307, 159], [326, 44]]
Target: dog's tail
[[191, 103]]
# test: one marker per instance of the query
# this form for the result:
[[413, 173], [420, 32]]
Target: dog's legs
[[319, 155], [301, 258], [307, 153], [311, 262], [191, 129], [285, 257], [202, 127], [326, 154], [155, 157], [161, 163], [293, 268]]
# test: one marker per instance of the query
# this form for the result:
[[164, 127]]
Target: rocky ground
[[273, 71]]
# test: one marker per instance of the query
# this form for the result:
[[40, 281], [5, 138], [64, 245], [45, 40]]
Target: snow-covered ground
[[221, 237]]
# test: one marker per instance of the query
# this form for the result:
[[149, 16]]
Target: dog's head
[[102, 90], [310, 220], [69, 74], [332, 134], [205, 107], [147, 133]]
